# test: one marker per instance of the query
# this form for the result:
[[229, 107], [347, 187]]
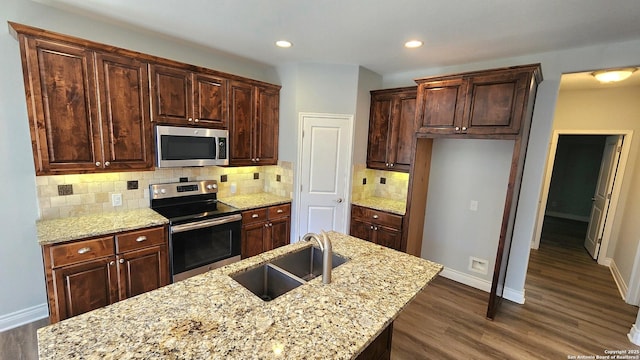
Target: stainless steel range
[[203, 233]]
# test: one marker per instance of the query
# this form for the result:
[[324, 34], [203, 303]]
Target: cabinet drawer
[[255, 215], [377, 216], [139, 239], [79, 251], [279, 211]]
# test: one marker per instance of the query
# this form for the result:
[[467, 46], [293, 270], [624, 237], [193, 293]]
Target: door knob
[[339, 200]]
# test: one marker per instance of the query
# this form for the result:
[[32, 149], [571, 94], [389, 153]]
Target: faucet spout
[[327, 253]]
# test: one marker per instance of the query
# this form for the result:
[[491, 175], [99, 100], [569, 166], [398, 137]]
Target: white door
[[602, 196], [325, 172]]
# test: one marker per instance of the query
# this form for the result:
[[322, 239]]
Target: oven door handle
[[205, 223]]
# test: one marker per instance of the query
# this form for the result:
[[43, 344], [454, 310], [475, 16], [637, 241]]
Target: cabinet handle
[[457, 128], [112, 263], [375, 216], [255, 216], [98, 163], [121, 261], [84, 250], [106, 163], [464, 128], [141, 238], [280, 211]]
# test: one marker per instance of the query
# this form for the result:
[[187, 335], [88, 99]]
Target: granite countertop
[[211, 316], [398, 207], [253, 201], [78, 227]]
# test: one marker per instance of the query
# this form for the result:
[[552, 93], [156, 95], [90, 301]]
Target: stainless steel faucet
[[325, 247]]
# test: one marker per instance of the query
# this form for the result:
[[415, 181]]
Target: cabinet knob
[[371, 227], [457, 128], [375, 228], [190, 119], [253, 160], [257, 159], [98, 163], [375, 216], [84, 250], [266, 225], [106, 163], [112, 263], [255, 216], [392, 164], [464, 128], [387, 164], [270, 224], [141, 238], [121, 261], [196, 120], [280, 211]]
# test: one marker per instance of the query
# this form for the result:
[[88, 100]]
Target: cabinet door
[[210, 101], [125, 114], [266, 126], [495, 103], [84, 287], [379, 131], [142, 270], [60, 87], [241, 142], [171, 93], [280, 232], [441, 106], [360, 229], [253, 236], [387, 236], [403, 125]]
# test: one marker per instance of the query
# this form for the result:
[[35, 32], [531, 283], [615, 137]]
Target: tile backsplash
[[92, 193], [380, 183]]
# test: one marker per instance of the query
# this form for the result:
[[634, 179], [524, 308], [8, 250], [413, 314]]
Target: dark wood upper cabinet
[[124, 106], [391, 129], [479, 104], [182, 97], [254, 117]]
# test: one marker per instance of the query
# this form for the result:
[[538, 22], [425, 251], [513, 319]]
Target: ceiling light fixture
[[284, 44], [613, 75], [411, 44]]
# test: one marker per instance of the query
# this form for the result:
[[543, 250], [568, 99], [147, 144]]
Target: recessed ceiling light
[[283, 43], [413, 44]]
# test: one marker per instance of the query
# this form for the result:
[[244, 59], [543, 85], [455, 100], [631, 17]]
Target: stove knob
[[155, 192], [163, 191], [210, 187]]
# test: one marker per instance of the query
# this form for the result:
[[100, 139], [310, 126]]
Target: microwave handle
[[205, 223]]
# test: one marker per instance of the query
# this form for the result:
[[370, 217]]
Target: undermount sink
[[306, 263], [286, 273]]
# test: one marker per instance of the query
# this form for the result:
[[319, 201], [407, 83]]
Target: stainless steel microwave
[[189, 146]]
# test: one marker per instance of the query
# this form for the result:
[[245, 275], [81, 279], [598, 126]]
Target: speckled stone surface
[[78, 227], [252, 201], [398, 207], [211, 316]]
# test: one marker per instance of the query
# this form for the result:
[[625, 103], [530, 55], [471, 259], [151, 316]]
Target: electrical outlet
[[383, 180], [478, 265], [233, 188], [473, 205], [278, 178], [132, 184], [223, 178], [116, 199]]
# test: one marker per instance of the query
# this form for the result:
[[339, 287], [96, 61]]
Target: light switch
[[473, 205], [116, 199]]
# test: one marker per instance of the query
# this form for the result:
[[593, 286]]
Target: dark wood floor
[[572, 308]]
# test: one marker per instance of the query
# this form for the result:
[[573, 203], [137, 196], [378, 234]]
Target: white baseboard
[[567, 216], [634, 335], [481, 284], [24, 316], [622, 286]]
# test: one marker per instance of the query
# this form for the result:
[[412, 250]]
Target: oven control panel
[[170, 190]]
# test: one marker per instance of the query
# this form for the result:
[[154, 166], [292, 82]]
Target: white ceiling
[[371, 33]]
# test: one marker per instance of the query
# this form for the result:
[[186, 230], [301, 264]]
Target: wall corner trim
[[617, 276], [23, 316]]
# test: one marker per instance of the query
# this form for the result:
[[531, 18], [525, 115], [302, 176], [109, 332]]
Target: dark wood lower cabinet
[[88, 274], [380, 348], [264, 229], [377, 226]]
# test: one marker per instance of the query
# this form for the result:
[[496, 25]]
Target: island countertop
[[211, 316]]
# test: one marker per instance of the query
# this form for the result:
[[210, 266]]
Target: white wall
[[553, 65], [611, 109], [21, 274]]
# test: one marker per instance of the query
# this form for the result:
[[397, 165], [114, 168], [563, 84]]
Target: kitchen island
[[211, 316]]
